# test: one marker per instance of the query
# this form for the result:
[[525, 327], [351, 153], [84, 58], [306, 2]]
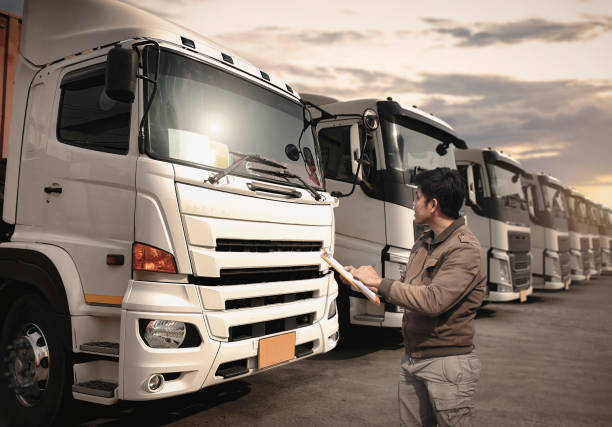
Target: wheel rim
[[28, 365]]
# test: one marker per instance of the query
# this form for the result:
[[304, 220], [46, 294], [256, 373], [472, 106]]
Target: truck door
[[360, 219], [89, 182]]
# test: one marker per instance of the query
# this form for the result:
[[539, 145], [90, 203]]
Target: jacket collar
[[447, 231]]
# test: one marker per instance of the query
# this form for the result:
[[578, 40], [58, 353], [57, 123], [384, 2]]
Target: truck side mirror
[[471, 186], [121, 68], [355, 151]]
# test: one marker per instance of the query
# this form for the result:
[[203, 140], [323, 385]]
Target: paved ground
[[545, 363]]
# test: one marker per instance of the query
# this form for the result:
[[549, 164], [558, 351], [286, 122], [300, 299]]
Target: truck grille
[[564, 243], [519, 241], [237, 245], [520, 263], [584, 244], [242, 276], [235, 304], [254, 330]]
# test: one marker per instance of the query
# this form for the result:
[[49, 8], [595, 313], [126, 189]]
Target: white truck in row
[[550, 240], [371, 150], [163, 215], [496, 212], [582, 259]]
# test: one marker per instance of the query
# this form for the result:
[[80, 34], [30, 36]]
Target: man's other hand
[[366, 275]]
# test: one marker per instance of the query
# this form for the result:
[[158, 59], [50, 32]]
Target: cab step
[[101, 347], [98, 388]]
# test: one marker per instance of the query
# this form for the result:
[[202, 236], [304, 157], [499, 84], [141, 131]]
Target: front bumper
[[192, 369], [496, 296]]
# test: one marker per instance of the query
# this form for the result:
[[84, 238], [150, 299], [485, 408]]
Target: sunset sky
[[532, 78]]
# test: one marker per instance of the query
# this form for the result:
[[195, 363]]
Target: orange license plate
[[523, 295], [275, 350]]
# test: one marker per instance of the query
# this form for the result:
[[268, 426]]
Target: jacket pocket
[[429, 270]]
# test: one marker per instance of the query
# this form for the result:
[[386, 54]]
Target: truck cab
[[371, 169], [166, 215], [496, 212], [594, 225], [605, 233], [581, 252], [550, 242]]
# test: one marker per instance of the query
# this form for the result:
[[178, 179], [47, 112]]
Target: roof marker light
[[265, 75], [289, 88], [188, 42], [227, 58]]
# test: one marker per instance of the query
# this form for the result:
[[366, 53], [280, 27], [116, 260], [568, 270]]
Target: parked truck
[[594, 224], [496, 212], [371, 150], [605, 233], [581, 252], [550, 241], [165, 215]]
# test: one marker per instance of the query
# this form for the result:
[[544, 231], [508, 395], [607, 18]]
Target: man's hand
[[366, 275]]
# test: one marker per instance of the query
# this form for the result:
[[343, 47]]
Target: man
[[441, 289]]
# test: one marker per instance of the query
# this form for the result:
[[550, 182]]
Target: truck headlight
[[499, 271], [165, 333]]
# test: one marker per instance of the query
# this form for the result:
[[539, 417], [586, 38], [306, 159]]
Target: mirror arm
[[145, 116]]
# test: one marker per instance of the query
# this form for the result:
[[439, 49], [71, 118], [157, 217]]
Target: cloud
[[529, 151], [535, 29]]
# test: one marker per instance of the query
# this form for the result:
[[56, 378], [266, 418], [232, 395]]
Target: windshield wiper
[[286, 174], [256, 158]]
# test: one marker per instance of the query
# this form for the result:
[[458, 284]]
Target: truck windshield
[[554, 200], [202, 115], [577, 208], [408, 150], [506, 184]]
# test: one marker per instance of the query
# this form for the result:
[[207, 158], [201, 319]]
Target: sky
[[531, 78]]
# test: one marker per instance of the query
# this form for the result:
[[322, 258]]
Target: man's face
[[423, 210]]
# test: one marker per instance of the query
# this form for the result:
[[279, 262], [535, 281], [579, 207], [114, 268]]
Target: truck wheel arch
[[26, 270]]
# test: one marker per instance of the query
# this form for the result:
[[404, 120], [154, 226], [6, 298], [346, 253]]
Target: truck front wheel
[[33, 363]]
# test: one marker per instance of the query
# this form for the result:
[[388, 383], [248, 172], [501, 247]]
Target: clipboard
[[349, 277]]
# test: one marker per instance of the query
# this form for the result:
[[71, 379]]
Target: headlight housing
[[165, 333], [499, 271]]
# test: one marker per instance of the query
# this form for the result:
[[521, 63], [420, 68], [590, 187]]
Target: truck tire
[[33, 365]]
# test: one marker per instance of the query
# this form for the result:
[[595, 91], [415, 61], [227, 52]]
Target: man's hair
[[445, 185]]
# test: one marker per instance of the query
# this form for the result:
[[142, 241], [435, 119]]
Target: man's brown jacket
[[442, 287]]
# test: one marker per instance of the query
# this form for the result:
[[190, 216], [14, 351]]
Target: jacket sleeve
[[452, 282]]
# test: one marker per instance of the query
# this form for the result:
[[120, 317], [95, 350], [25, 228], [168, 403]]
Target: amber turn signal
[[148, 258]]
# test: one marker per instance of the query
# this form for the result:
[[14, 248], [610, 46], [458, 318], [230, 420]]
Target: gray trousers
[[438, 390]]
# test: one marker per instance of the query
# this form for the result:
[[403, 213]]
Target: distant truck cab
[[582, 261], [605, 236], [550, 240], [496, 212]]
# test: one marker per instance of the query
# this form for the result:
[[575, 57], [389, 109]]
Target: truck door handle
[[50, 190]]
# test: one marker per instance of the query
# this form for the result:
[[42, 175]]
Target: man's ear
[[434, 204]]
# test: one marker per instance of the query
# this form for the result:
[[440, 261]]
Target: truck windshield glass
[[577, 208], [408, 150], [554, 200], [505, 183], [200, 115]]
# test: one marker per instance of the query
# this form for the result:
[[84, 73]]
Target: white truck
[[594, 236], [371, 150], [496, 212], [550, 240], [164, 215], [582, 260], [605, 236]]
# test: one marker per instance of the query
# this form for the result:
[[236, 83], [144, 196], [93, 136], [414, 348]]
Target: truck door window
[[336, 152], [90, 119]]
